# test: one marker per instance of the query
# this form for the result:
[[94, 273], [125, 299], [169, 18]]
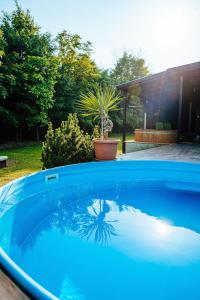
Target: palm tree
[[99, 104]]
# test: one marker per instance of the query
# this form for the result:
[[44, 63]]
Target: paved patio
[[178, 152]]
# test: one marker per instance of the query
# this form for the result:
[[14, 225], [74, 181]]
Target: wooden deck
[[8, 289]]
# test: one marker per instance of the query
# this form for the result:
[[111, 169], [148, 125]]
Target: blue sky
[[165, 33]]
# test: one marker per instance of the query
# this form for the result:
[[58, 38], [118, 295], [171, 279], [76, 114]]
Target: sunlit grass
[[24, 160]]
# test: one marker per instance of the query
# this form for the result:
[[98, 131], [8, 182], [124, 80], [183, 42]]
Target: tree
[[128, 67], [2, 46], [28, 73], [99, 105], [77, 74]]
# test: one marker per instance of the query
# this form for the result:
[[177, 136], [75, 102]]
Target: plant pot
[[105, 149]]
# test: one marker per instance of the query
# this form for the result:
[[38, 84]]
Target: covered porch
[[170, 103]]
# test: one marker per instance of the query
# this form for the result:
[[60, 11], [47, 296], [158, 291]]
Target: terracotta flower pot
[[105, 149]]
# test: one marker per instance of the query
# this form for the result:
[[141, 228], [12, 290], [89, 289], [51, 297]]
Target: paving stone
[[177, 152]]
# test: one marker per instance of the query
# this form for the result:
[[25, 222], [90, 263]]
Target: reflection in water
[[86, 218], [4, 204], [88, 221], [95, 223], [92, 218], [163, 227], [69, 291], [122, 241]]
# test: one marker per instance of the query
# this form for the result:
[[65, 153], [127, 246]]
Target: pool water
[[135, 239], [104, 231]]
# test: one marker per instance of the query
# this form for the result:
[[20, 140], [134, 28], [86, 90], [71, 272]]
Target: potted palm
[[98, 105]]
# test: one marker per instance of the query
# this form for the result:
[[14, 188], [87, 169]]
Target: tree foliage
[[77, 73], [28, 72], [128, 67], [41, 78]]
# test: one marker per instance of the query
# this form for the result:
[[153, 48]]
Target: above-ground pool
[[119, 230]]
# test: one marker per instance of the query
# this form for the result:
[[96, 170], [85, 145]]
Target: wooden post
[[190, 117], [124, 124], [180, 103], [145, 121]]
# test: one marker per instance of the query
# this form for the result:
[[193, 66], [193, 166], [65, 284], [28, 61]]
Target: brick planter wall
[[156, 136]]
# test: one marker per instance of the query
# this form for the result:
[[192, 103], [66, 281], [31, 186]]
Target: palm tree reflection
[[86, 218], [94, 223]]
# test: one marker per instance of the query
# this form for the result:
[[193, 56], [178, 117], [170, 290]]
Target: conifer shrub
[[67, 144]]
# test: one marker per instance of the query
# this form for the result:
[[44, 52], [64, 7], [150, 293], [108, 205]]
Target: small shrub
[[67, 144], [167, 126], [96, 132], [163, 126], [159, 126]]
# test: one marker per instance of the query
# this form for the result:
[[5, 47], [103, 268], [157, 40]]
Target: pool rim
[[22, 279]]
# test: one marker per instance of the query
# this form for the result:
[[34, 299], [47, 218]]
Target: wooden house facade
[[171, 97]]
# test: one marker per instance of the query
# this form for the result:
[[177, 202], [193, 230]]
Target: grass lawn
[[22, 161], [25, 159], [119, 136]]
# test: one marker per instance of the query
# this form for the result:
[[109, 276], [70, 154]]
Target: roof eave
[[132, 83]]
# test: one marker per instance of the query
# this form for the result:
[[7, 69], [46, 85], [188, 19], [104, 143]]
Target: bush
[[159, 126], [163, 126], [67, 144]]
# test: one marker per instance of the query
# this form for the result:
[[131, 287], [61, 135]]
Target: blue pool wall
[[81, 177]]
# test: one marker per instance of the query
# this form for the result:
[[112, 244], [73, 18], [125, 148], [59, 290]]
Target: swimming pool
[[104, 231]]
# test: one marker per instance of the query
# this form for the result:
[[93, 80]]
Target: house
[[171, 101]]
